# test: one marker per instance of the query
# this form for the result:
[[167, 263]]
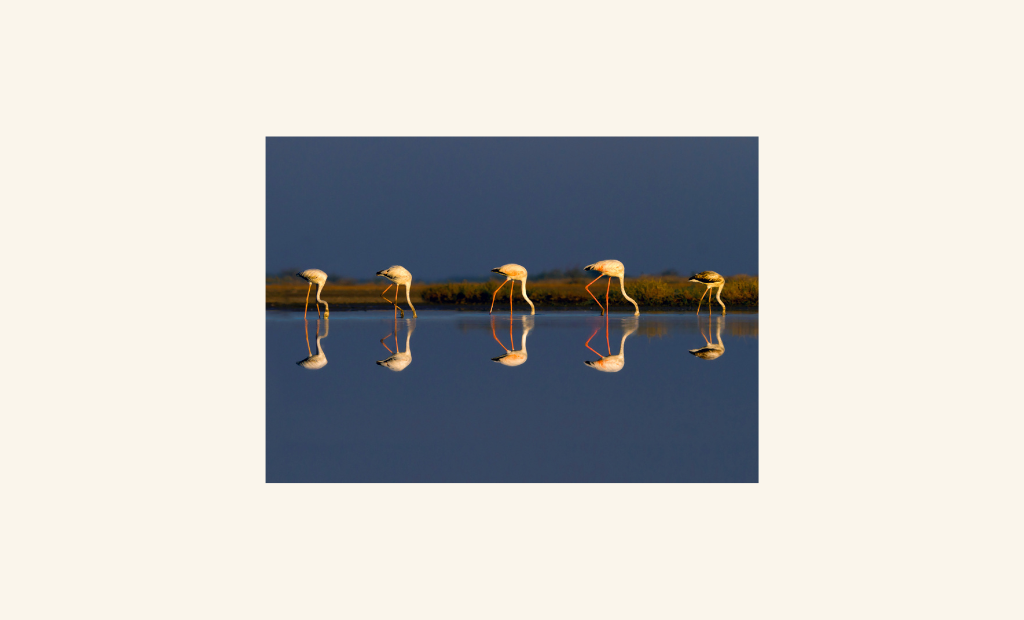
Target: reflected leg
[[606, 342], [305, 325], [386, 337], [587, 343], [495, 334]]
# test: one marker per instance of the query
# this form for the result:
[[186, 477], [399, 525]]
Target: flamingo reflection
[[612, 363], [399, 359], [711, 351], [513, 357], [318, 361]]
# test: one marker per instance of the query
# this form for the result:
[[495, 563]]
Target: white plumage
[[711, 280], [612, 269], [398, 275], [512, 272], [315, 276]]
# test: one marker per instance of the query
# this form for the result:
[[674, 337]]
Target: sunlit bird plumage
[[315, 276], [398, 275], [612, 269], [711, 280], [512, 272]]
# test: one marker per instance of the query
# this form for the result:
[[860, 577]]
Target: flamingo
[[514, 357], [712, 351], [315, 276], [612, 269], [711, 280], [399, 359], [398, 275], [612, 363], [318, 361], [512, 272]]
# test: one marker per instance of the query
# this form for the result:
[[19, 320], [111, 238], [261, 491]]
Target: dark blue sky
[[454, 207]]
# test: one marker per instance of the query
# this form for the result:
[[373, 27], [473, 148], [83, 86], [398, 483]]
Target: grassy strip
[[739, 291]]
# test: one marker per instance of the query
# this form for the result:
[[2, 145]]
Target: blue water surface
[[442, 410]]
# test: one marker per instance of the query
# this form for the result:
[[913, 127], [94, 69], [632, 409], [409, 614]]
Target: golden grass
[[661, 291], [291, 295], [739, 291]]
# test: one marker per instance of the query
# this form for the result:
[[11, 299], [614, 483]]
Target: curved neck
[[622, 283], [525, 332], [408, 335], [407, 284], [532, 309], [327, 308]]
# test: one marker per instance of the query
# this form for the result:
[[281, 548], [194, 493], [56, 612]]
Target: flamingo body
[[711, 280], [399, 275], [513, 272], [315, 276], [612, 269]]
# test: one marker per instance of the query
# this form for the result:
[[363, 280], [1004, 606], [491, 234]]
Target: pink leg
[[702, 299], [396, 299], [606, 305], [592, 295], [306, 309], [511, 292], [495, 296]]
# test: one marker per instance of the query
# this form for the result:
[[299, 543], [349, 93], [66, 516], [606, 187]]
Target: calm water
[[438, 408]]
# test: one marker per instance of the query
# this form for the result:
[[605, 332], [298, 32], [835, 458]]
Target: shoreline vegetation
[[740, 293]]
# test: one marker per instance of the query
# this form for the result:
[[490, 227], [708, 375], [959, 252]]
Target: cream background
[[132, 439]]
